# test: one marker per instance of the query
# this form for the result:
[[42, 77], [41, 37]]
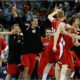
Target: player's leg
[[25, 60], [57, 71], [11, 70], [33, 65], [63, 72]]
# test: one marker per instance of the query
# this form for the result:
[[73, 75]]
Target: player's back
[[55, 25], [60, 42]]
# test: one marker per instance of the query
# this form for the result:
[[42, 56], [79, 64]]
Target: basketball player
[[15, 51], [32, 45], [58, 27], [45, 57]]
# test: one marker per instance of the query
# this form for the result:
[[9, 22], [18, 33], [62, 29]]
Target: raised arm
[[51, 16], [72, 35], [5, 33], [18, 19], [8, 33]]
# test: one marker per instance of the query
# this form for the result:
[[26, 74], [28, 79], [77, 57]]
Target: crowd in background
[[38, 8], [28, 9]]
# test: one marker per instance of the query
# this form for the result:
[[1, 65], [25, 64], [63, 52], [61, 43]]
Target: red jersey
[[2, 44], [66, 58], [46, 57], [68, 40], [45, 42], [55, 24], [60, 43], [75, 59]]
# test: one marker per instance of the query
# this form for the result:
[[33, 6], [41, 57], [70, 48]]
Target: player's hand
[[37, 58], [54, 49], [56, 9], [13, 31], [14, 11], [74, 36], [14, 7], [4, 51]]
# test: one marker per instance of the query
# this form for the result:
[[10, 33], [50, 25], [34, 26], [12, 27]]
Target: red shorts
[[76, 59], [12, 69], [52, 72], [66, 59], [0, 55], [29, 60], [43, 62]]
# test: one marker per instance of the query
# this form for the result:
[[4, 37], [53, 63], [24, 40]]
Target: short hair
[[47, 29], [72, 19], [34, 17], [60, 14], [14, 26]]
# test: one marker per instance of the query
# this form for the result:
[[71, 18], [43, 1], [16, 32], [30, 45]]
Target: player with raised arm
[[32, 45], [59, 29]]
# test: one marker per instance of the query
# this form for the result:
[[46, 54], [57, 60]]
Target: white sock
[[66, 78], [63, 77], [46, 71], [44, 77], [72, 74]]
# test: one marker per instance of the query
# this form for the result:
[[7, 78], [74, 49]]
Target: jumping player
[[59, 29]]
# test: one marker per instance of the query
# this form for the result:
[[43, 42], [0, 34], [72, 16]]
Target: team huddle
[[53, 53]]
